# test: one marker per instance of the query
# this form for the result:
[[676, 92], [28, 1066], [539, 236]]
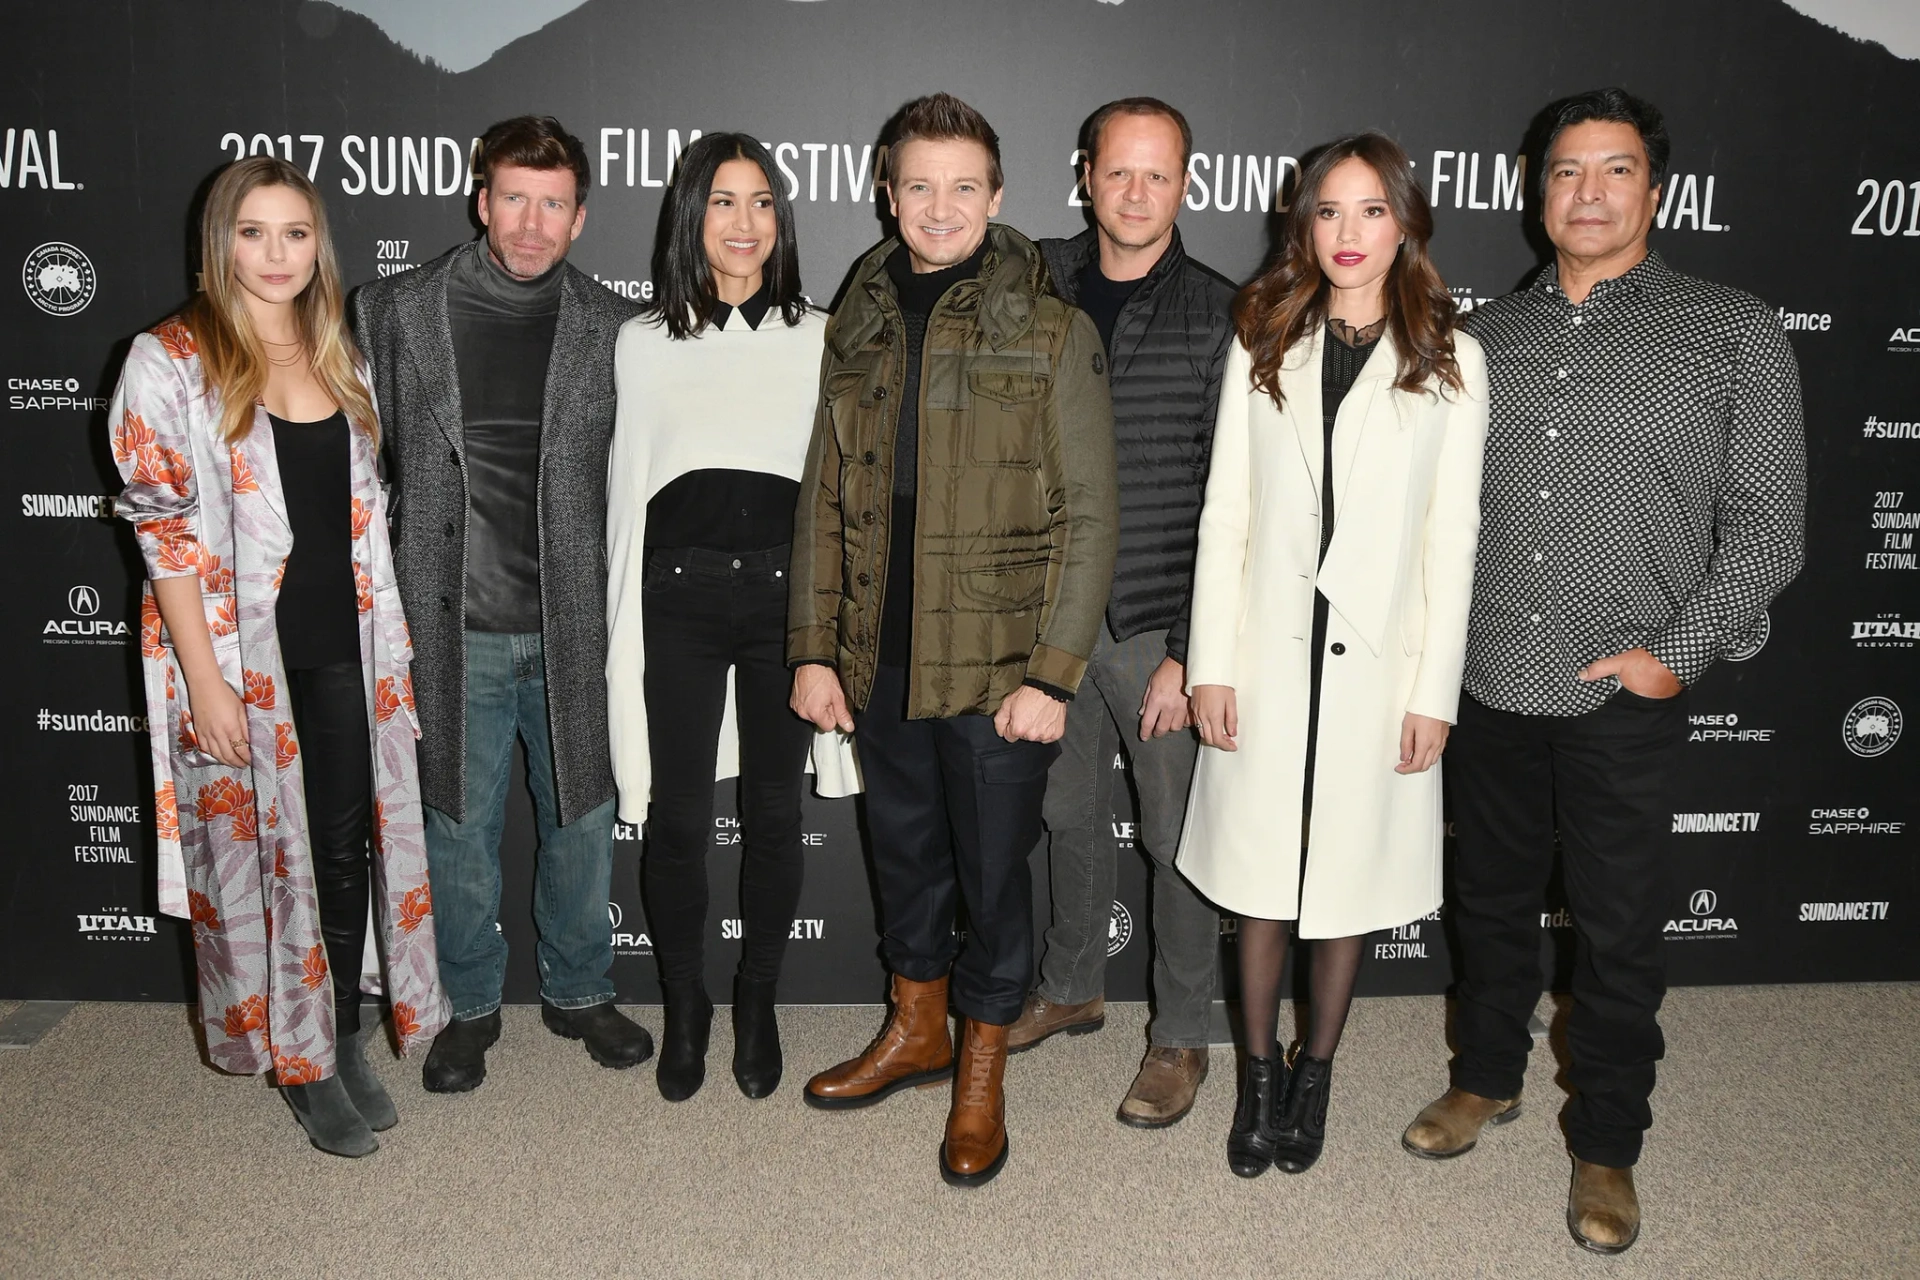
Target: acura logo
[[1703, 902], [613, 914], [83, 602]]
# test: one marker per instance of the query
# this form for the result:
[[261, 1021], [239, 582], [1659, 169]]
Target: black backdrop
[[1796, 176]]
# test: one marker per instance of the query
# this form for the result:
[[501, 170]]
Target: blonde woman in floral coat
[[276, 661]]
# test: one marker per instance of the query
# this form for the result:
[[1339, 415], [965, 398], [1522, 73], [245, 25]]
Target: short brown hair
[[535, 142], [941, 117], [1097, 123]]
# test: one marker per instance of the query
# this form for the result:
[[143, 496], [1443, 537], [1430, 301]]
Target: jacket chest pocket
[[1003, 399], [849, 391]]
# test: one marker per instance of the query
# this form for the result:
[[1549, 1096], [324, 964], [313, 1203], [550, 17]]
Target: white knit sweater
[[737, 398]]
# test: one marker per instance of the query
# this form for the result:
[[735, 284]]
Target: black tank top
[[318, 613]]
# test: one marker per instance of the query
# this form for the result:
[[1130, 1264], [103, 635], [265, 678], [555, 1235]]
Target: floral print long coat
[[234, 851]]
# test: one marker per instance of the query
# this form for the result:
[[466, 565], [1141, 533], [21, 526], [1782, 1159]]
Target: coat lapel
[[573, 336], [1372, 458], [1301, 386], [1356, 417], [256, 467], [430, 348]]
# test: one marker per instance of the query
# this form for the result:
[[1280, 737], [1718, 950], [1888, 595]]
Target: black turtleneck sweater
[[502, 340], [918, 293]]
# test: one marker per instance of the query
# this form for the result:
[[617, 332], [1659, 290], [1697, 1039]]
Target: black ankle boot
[[683, 1045], [1301, 1123], [756, 1038], [327, 1114], [1250, 1141]]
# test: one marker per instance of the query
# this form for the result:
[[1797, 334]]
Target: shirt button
[[1553, 433], [736, 564], [1338, 648], [1535, 618], [867, 457], [1538, 557], [1544, 494], [879, 393], [864, 580], [1560, 374], [1579, 319], [866, 517]]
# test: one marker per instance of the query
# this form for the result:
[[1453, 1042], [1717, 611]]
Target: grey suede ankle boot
[[369, 1096], [328, 1115]]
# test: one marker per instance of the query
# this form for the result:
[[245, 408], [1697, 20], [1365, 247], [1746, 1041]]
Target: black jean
[[706, 611], [953, 810], [1601, 780], [336, 760]]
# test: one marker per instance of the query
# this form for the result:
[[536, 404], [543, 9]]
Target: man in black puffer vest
[[1167, 326]]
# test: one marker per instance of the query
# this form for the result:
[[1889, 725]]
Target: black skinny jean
[[703, 612], [336, 760]]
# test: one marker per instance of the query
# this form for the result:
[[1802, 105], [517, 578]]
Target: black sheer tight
[[1332, 966]]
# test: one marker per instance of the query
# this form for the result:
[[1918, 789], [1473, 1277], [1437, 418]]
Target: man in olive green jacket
[[952, 554]]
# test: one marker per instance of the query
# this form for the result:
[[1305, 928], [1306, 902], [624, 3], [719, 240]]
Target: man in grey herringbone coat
[[494, 369]]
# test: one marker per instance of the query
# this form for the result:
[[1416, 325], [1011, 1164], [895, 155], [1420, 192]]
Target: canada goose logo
[[1119, 930], [1872, 726], [58, 278]]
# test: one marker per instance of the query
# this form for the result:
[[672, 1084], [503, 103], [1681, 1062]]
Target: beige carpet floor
[[1787, 1119]]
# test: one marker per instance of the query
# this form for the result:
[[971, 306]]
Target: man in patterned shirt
[[1643, 500]]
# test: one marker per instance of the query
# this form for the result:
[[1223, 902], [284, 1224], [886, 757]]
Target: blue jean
[[573, 869]]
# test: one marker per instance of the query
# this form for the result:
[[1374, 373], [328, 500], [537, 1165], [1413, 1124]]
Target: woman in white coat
[[717, 379], [1330, 614]]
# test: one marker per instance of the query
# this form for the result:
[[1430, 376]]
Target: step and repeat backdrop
[[1796, 175]]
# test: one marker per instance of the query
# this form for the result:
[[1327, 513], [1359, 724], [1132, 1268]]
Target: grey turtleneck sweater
[[502, 332]]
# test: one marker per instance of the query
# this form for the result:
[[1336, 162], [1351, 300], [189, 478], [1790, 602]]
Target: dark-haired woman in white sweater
[[717, 383]]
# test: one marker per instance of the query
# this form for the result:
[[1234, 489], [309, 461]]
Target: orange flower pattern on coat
[[177, 557], [385, 700], [362, 517], [243, 481], [166, 813], [285, 748], [226, 619], [406, 690], [294, 1070], [280, 575], [246, 824], [130, 435], [189, 741], [273, 816], [315, 968], [216, 579], [176, 338], [223, 797], [150, 645], [247, 1017], [416, 906], [259, 689], [379, 826], [154, 464], [203, 912], [280, 863], [406, 1020], [365, 586]]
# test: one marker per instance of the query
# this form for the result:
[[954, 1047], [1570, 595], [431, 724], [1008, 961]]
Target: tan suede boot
[[1603, 1210], [915, 1048], [1040, 1018], [1450, 1125]]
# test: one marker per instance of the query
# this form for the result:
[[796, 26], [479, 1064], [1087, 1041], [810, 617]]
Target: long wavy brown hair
[[232, 358], [1285, 302]]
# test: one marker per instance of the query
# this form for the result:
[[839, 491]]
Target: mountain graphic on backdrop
[[461, 37]]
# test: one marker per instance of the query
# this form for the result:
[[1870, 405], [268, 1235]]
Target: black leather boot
[[757, 1062], [458, 1060], [1250, 1141], [327, 1114], [612, 1038], [370, 1097], [1301, 1123], [683, 1045]]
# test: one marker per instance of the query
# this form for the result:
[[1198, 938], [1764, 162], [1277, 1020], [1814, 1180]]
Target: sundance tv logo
[[1703, 920], [1820, 912], [1701, 823], [1871, 727]]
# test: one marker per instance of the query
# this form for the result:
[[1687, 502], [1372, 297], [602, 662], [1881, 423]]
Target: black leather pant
[[336, 755]]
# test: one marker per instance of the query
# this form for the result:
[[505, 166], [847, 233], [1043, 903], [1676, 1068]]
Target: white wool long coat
[[1398, 576]]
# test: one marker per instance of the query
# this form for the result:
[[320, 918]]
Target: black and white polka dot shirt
[[1644, 484]]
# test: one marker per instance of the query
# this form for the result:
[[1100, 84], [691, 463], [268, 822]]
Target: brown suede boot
[[914, 1048], [1603, 1211], [1040, 1018], [1163, 1090], [1450, 1125], [976, 1145]]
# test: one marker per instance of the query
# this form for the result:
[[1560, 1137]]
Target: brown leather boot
[[976, 1145], [915, 1048], [1163, 1090], [1603, 1211], [1041, 1017], [1450, 1125]]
